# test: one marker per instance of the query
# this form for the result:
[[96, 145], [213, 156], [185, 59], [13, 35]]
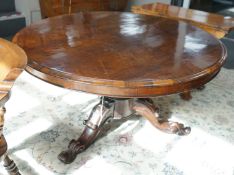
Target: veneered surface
[[199, 18], [120, 54]]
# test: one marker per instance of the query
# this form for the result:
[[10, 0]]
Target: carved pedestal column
[[109, 109], [7, 162]]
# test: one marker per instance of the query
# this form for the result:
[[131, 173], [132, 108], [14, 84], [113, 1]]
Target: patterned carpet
[[42, 118]]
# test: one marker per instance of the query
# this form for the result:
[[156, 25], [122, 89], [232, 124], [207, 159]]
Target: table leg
[[101, 114], [147, 109]]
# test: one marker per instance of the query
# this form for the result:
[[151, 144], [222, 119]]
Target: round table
[[123, 57]]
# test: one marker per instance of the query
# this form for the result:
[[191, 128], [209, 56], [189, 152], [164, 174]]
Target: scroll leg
[[93, 126], [8, 163], [147, 109]]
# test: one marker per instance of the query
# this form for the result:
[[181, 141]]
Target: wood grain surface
[[121, 54], [215, 24]]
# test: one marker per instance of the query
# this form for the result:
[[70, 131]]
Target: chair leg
[[7, 162], [10, 166]]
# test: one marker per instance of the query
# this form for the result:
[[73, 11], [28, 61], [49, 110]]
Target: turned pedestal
[[110, 109]]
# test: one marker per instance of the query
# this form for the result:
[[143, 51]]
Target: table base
[[110, 109]]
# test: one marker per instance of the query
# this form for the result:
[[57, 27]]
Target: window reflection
[[130, 25]]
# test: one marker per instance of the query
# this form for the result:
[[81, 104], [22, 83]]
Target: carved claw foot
[[77, 146], [175, 128], [74, 148], [67, 156], [100, 114], [147, 109]]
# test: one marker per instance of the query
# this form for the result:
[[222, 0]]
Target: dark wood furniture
[[51, 8], [216, 25], [123, 57], [12, 62]]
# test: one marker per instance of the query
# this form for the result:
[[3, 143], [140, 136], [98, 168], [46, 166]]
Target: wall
[[138, 2], [30, 9]]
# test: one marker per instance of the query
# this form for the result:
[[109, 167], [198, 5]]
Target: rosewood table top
[[121, 54], [215, 24]]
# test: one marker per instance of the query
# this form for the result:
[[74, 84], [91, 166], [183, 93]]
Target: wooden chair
[[12, 62], [216, 25]]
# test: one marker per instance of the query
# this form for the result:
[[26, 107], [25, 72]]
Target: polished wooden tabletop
[[121, 54], [216, 24]]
